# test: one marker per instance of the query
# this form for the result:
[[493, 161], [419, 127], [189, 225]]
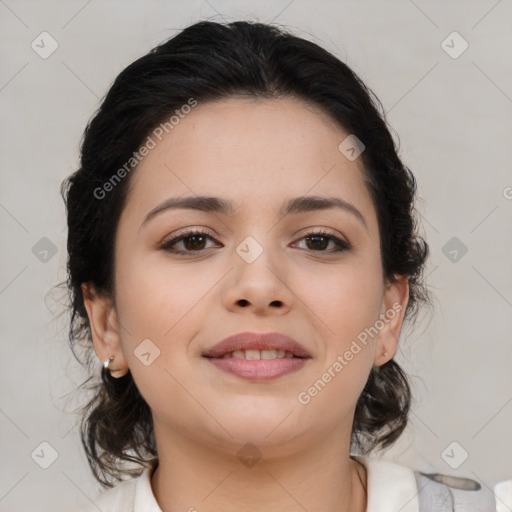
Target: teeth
[[252, 354], [273, 354], [259, 354]]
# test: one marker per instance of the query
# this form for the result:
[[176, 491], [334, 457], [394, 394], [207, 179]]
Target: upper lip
[[257, 341]]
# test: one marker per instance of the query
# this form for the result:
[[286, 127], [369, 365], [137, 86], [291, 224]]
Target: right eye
[[193, 242]]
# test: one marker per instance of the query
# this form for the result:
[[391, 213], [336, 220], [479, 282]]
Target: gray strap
[[444, 493], [433, 496]]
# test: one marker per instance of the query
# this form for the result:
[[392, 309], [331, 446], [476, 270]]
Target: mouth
[[254, 345], [258, 356], [251, 355]]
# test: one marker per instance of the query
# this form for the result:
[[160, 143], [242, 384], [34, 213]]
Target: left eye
[[194, 241], [320, 238]]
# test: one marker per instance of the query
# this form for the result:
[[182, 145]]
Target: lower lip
[[258, 369]]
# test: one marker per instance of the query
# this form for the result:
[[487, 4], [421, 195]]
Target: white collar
[[390, 487], [145, 500]]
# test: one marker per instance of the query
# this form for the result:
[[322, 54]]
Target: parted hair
[[210, 61]]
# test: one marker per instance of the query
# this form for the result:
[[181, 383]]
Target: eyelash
[[167, 245]]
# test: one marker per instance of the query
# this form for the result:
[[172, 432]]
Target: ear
[[394, 304], [105, 327]]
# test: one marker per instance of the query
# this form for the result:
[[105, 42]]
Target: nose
[[261, 285], [246, 303]]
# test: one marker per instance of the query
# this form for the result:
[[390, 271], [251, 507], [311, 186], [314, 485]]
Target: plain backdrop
[[450, 105]]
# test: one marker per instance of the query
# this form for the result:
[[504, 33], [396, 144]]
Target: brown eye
[[318, 242], [192, 241]]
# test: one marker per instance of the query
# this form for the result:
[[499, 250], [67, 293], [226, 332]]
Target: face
[[314, 275]]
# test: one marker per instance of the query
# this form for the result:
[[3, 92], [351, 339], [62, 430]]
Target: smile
[[256, 365]]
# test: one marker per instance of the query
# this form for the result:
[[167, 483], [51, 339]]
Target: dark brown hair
[[209, 61]]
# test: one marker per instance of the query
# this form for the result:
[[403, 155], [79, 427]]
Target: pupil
[[316, 238], [193, 245]]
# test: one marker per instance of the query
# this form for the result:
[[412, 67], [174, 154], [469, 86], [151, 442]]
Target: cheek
[[346, 298], [164, 301], [153, 293], [159, 303], [345, 303]]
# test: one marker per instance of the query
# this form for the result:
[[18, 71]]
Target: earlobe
[[394, 305], [104, 325]]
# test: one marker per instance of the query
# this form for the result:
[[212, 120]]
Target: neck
[[198, 478]]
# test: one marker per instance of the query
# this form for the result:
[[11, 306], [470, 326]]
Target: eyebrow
[[297, 205]]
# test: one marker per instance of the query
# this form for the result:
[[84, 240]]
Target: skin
[[256, 153]]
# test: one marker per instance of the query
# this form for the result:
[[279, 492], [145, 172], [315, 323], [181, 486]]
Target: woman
[[242, 256]]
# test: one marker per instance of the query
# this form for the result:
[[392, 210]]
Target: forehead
[[256, 126], [255, 152]]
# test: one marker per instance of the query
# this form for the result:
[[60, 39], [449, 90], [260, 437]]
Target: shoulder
[[402, 488], [116, 499], [133, 495]]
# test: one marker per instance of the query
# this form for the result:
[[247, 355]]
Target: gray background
[[453, 119]]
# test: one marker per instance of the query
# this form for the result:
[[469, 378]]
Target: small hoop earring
[[106, 365]]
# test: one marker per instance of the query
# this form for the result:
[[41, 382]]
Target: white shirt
[[390, 487]]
